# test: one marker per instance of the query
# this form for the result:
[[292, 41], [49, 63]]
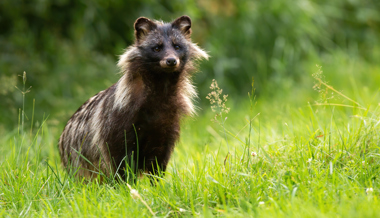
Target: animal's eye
[[176, 47], [157, 49]]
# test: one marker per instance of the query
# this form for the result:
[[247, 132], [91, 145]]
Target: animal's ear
[[142, 27], [183, 24]]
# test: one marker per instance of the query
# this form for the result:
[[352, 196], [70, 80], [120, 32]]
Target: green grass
[[310, 161]]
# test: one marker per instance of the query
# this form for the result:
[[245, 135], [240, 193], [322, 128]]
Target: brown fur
[[148, 102]]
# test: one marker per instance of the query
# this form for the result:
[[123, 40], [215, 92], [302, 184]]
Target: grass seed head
[[218, 102], [134, 193], [369, 190]]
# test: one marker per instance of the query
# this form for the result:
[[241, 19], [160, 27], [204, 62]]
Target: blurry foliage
[[69, 48]]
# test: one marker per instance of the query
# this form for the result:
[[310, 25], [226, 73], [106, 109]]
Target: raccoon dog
[[135, 123]]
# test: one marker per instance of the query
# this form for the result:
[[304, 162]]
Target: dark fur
[[148, 101]]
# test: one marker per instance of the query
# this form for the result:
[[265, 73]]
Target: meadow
[[310, 152], [297, 136]]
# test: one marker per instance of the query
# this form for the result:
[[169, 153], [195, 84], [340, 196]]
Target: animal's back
[[81, 144]]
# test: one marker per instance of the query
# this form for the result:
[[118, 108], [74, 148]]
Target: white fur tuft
[[122, 93], [129, 54], [198, 52]]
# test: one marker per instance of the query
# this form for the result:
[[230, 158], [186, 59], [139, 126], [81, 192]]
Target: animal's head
[[162, 47]]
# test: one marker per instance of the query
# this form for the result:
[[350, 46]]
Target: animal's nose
[[171, 62]]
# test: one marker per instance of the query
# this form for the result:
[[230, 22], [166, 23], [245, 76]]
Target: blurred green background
[[69, 48]]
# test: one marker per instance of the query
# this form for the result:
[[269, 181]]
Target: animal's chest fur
[[157, 122], [151, 130]]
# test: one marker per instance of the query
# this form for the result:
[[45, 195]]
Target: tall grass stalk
[[23, 92]]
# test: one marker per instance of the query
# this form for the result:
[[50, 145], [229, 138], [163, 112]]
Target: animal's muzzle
[[171, 62]]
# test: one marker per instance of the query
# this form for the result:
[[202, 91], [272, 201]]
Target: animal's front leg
[[157, 163], [156, 167]]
